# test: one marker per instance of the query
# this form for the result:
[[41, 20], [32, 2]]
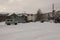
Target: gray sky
[[28, 6]]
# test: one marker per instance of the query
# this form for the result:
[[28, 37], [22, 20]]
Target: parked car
[[44, 20], [11, 21], [57, 20]]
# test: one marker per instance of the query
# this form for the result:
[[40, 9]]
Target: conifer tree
[[38, 15]]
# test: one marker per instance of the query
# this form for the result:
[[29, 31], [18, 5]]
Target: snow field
[[30, 31]]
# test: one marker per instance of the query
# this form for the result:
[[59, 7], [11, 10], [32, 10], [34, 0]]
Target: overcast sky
[[28, 6]]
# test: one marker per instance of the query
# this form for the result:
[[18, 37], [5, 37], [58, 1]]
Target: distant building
[[31, 17]]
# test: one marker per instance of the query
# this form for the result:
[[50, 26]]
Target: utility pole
[[53, 11]]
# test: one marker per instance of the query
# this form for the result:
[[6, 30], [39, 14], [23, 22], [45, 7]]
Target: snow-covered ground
[[30, 31]]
